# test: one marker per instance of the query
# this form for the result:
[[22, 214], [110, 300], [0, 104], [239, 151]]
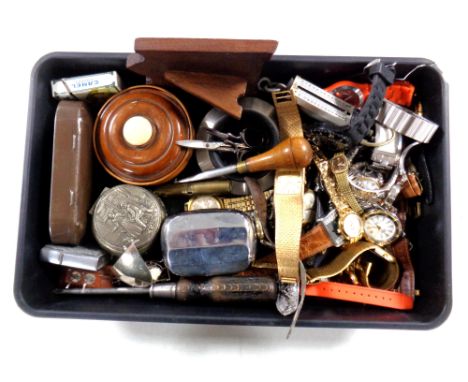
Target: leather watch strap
[[314, 241], [401, 251], [412, 188], [360, 294], [260, 204]]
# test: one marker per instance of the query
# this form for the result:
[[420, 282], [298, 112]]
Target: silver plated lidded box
[[208, 243]]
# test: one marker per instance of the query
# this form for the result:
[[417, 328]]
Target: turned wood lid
[[135, 136]]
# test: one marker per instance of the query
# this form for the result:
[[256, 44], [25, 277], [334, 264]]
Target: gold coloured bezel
[[341, 223], [190, 203], [391, 216]]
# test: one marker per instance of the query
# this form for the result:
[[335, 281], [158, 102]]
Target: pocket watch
[[381, 227]]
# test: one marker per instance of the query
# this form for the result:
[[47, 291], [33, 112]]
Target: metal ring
[[366, 143], [266, 85]]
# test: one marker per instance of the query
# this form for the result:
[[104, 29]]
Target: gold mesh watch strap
[[351, 254], [339, 165], [243, 203], [288, 115], [288, 194], [330, 185]]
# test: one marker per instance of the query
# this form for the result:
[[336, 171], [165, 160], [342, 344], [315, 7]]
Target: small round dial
[[350, 94], [351, 226], [381, 227], [366, 183], [203, 202]]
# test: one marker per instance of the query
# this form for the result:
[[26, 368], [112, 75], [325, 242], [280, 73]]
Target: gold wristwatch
[[241, 203], [381, 226], [339, 166], [350, 223]]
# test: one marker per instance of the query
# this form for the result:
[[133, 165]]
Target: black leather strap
[[260, 203]]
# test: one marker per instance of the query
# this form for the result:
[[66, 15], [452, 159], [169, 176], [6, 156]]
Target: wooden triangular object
[[219, 90], [240, 58]]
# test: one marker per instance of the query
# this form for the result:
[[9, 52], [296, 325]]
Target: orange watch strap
[[357, 293], [400, 92]]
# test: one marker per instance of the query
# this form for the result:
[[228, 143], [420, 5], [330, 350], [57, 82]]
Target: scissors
[[231, 143]]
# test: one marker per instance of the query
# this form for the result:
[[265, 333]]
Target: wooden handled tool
[[292, 153], [216, 289]]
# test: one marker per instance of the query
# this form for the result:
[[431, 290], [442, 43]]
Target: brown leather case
[[70, 185]]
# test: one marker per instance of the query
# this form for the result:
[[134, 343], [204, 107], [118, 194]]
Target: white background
[[72, 350]]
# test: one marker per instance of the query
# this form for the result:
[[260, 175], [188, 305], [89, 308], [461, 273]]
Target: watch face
[[366, 183], [204, 202], [381, 227], [352, 226], [350, 95]]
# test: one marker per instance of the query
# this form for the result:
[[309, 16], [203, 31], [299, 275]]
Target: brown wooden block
[[219, 90], [239, 58]]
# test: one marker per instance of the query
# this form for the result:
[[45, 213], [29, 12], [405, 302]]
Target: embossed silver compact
[[208, 243], [126, 214]]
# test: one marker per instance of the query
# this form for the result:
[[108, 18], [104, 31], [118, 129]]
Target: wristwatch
[[349, 93], [339, 166], [381, 226], [366, 183], [350, 224], [242, 203], [203, 202], [344, 118], [401, 92]]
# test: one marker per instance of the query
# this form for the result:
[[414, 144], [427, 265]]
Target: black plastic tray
[[34, 281]]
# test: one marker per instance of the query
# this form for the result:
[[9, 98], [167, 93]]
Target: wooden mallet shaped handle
[[292, 153]]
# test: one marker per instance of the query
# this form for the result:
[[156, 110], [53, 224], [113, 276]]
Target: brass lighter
[[212, 187]]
